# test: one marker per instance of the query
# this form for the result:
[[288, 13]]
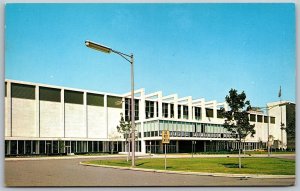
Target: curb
[[194, 173]]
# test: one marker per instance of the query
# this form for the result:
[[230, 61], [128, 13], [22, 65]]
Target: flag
[[279, 94]]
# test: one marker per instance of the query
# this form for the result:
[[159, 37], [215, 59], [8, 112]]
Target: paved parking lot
[[68, 172]]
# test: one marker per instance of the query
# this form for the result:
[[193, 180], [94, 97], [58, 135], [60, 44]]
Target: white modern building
[[46, 119]]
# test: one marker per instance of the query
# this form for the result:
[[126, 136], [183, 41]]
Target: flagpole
[[281, 125]]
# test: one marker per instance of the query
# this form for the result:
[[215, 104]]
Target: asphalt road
[[68, 172]]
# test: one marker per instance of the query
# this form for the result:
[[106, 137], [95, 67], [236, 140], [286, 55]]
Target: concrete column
[[62, 97], [38, 147], [215, 109], [64, 142], [190, 113], [142, 106], [142, 118], [75, 146], [203, 111], [51, 146], [159, 96], [204, 146], [8, 147], [17, 147], [194, 113], [123, 107], [143, 146], [9, 112], [177, 146], [169, 110], [46, 151], [176, 107], [225, 105], [155, 110], [85, 111], [87, 146], [37, 111], [31, 147], [106, 115], [104, 146]]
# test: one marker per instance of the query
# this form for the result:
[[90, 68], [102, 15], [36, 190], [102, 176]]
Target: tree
[[125, 128], [113, 137], [291, 126], [61, 146], [236, 119]]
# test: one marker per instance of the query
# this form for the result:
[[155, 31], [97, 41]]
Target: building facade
[[44, 119]]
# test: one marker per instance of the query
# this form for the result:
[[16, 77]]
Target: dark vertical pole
[[132, 112], [165, 156]]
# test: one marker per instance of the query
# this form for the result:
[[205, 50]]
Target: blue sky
[[198, 50]]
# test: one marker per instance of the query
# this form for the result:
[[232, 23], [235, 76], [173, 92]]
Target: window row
[[54, 95], [261, 118], [189, 134], [183, 126], [128, 109]]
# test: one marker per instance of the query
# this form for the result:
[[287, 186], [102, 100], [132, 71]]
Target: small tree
[[61, 144], [236, 119], [125, 128], [113, 137], [291, 128]]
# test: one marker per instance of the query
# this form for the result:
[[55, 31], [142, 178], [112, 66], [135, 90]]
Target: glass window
[[49, 94], [161, 125], [114, 102], [149, 109], [27, 147], [55, 146], [198, 113], [203, 128], [252, 117], [96, 100], [136, 109], [73, 97], [219, 114], [156, 128], [172, 110], [259, 118], [42, 146], [20, 147], [209, 112], [185, 112], [266, 119], [165, 110], [128, 109], [272, 120], [179, 111], [22, 91]]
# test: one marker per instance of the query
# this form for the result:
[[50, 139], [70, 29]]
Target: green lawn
[[246, 152], [274, 166]]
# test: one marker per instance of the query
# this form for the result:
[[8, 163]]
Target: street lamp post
[[130, 59]]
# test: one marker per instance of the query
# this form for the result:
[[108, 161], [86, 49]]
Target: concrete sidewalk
[[244, 176]]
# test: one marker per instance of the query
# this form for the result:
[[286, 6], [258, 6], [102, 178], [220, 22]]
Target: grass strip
[[268, 166]]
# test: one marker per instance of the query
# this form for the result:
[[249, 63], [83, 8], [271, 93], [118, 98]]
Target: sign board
[[165, 137]]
